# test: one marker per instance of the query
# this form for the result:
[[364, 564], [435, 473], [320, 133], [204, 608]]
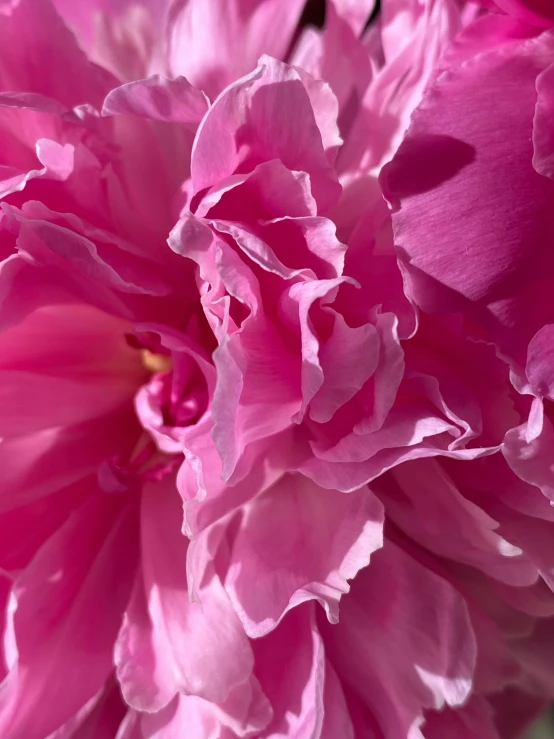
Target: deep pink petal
[[69, 606], [543, 139], [500, 260], [34, 24], [290, 665], [472, 721], [64, 367], [336, 716], [99, 719], [38, 464], [535, 12], [83, 20]]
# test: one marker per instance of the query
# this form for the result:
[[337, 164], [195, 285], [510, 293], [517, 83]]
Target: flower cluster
[[276, 369]]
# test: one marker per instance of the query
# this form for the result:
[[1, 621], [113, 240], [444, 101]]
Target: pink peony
[[258, 480]]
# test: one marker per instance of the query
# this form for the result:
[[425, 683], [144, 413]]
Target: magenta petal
[[100, 718], [63, 367], [65, 453], [535, 12], [500, 260], [543, 138], [40, 519], [53, 239], [472, 721]]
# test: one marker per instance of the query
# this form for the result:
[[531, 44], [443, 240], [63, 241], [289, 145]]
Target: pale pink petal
[[252, 122], [337, 55], [246, 716], [532, 460], [269, 191], [311, 553], [159, 99], [414, 37], [425, 502], [168, 644], [348, 359], [539, 371], [130, 727], [543, 141], [208, 498], [248, 353], [404, 641], [214, 43], [356, 12], [297, 304], [326, 110]]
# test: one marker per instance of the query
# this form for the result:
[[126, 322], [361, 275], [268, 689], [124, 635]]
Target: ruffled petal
[[294, 557]]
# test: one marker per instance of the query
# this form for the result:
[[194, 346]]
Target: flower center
[[155, 362]]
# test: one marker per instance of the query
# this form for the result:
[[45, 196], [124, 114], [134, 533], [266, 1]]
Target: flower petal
[[298, 542], [214, 42], [69, 605]]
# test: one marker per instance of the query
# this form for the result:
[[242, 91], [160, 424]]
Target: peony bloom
[[251, 467]]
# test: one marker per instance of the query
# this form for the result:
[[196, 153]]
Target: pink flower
[[217, 384]]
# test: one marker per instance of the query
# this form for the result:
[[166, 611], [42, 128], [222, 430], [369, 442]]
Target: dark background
[[314, 13]]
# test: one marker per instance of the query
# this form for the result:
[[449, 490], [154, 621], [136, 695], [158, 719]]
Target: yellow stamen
[[155, 362]]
